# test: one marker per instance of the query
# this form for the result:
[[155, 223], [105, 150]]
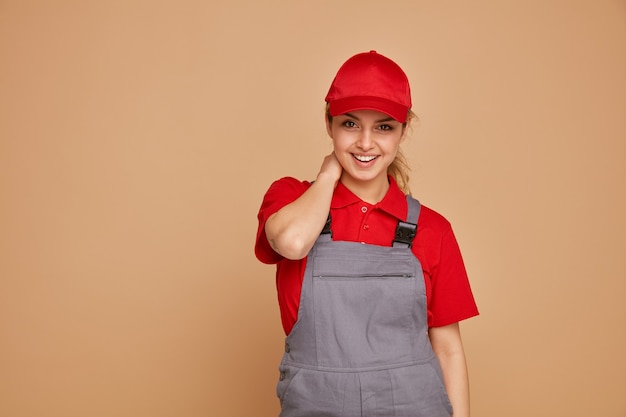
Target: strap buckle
[[405, 233]]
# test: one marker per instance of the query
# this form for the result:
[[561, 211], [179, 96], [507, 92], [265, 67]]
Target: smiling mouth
[[364, 158]]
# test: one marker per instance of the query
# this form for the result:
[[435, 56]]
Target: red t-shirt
[[448, 293]]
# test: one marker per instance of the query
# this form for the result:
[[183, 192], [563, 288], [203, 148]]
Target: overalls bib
[[360, 345]]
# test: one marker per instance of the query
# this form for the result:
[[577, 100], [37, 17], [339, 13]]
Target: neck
[[370, 192]]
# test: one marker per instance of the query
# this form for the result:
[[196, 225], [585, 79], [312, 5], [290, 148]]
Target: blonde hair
[[399, 168]]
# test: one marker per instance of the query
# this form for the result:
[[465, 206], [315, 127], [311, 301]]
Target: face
[[366, 143]]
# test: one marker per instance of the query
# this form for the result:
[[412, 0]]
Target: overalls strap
[[406, 231]]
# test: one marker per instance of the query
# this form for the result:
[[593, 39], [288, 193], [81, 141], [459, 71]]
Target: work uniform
[[360, 345]]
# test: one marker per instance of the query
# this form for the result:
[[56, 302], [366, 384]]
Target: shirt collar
[[393, 203]]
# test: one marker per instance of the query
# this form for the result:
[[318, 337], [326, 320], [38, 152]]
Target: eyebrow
[[386, 119]]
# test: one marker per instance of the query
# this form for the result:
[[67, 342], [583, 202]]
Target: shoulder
[[280, 193], [435, 242], [288, 186], [435, 238], [433, 221]]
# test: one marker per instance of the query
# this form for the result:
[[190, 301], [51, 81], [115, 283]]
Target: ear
[[406, 126], [329, 129], [405, 131]]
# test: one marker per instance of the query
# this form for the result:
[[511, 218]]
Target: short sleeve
[[452, 299], [282, 192]]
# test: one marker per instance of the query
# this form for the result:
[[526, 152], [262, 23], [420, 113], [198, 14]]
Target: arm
[[448, 347], [292, 230]]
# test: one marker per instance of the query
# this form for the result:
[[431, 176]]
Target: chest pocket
[[367, 306]]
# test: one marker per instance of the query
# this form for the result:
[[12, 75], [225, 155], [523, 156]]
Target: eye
[[385, 127], [349, 124]]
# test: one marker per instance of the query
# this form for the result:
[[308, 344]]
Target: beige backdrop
[[137, 139]]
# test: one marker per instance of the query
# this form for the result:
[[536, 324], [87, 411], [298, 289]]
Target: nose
[[365, 140]]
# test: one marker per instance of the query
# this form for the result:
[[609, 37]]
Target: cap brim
[[348, 104]]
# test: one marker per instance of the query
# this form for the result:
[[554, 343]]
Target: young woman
[[371, 285]]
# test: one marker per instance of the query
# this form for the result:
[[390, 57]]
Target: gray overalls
[[360, 345]]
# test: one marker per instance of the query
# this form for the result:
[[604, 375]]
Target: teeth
[[365, 158]]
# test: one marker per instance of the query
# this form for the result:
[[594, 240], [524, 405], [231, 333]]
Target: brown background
[[137, 139]]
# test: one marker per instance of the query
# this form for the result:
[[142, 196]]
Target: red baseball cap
[[370, 81]]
